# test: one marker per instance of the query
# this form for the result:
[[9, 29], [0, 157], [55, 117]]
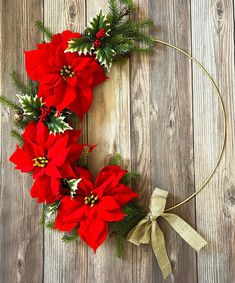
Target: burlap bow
[[147, 231]]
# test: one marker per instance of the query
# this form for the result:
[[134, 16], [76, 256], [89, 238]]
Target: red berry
[[97, 43], [45, 111], [101, 33]]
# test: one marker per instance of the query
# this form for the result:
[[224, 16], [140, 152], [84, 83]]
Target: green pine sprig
[[29, 88], [68, 238], [114, 16], [83, 159], [48, 214], [126, 180], [115, 159], [123, 35], [121, 229], [21, 123], [15, 134], [10, 104], [129, 4], [46, 32]]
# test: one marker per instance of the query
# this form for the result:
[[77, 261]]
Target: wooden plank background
[[159, 111]]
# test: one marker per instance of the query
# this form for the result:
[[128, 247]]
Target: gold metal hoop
[[222, 107]]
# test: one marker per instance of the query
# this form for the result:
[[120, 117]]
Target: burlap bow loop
[[147, 231]]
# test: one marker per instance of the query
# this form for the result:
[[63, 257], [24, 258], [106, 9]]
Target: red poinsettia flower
[[49, 155], [65, 79], [48, 189], [95, 206]]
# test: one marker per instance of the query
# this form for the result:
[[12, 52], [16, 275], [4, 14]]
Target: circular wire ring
[[222, 107]]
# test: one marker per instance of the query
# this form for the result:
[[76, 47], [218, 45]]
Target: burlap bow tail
[[147, 231]]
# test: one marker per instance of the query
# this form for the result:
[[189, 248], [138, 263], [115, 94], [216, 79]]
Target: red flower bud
[[97, 43], [101, 33]]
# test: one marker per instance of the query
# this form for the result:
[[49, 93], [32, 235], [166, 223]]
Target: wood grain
[[215, 205], [160, 113], [21, 238], [140, 144], [64, 262], [171, 128], [109, 128]]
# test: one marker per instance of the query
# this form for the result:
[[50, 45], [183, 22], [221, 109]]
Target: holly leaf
[[81, 45], [31, 105], [105, 56], [56, 124], [73, 186], [100, 21]]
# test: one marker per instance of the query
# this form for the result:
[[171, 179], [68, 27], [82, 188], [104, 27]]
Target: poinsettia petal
[[82, 173], [112, 216], [42, 189], [108, 203], [51, 80], [30, 132], [35, 63], [85, 97], [69, 97], [67, 171], [112, 171], [59, 146], [122, 194], [41, 133], [109, 210], [61, 158], [67, 207], [74, 152], [22, 160], [74, 135], [60, 56], [36, 149], [68, 35], [38, 172], [52, 170], [98, 77], [93, 232]]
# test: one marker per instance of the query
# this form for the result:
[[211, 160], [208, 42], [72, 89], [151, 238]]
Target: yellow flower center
[[66, 71], [91, 199], [40, 161]]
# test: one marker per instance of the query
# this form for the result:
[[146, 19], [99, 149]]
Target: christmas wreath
[[62, 73]]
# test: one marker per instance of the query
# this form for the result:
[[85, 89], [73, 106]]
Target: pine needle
[[121, 228], [68, 238], [129, 176], [21, 124], [15, 134], [46, 32], [19, 84], [48, 214], [83, 160], [10, 104], [115, 159], [129, 4]]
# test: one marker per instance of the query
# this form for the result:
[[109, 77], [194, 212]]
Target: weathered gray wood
[[215, 205], [160, 113], [140, 144], [21, 237], [171, 128], [109, 128], [64, 262]]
